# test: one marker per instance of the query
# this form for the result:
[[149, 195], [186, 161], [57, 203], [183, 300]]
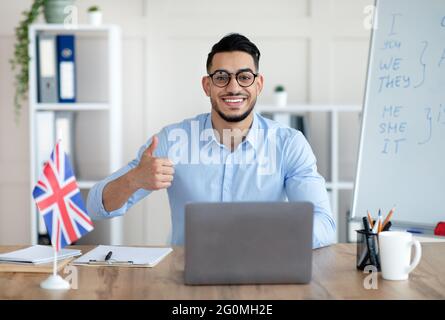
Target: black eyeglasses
[[221, 78]]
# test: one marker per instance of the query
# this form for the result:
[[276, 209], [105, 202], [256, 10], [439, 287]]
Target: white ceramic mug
[[395, 254]]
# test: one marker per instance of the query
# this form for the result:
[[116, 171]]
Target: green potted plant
[[20, 60], [280, 96], [94, 15], [53, 12]]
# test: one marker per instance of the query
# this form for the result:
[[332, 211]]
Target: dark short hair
[[234, 42]]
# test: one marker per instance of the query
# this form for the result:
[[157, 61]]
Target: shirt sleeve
[[304, 183], [95, 205]]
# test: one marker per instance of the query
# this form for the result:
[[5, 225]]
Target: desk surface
[[334, 277]]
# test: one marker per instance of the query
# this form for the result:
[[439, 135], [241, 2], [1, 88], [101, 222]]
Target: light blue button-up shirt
[[273, 163]]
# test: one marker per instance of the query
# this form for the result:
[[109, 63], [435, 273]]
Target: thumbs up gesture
[[154, 173]]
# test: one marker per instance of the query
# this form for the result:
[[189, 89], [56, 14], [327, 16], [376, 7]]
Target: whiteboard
[[401, 157]]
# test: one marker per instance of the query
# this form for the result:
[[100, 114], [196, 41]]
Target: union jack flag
[[60, 202]]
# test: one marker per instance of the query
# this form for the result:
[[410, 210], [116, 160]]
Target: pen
[[108, 256], [379, 228], [376, 226], [414, 231]]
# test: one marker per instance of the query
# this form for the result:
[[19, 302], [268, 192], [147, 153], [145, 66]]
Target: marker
[[387, 226], [366, 225], [370, 249]]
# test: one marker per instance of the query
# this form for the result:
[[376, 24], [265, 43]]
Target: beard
[[228, 118]]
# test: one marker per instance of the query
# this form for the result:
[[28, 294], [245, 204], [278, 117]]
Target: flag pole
[[54, 281], [55, 262], [54, 169]]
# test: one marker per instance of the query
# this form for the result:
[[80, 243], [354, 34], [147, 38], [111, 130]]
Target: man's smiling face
[[233, 103]]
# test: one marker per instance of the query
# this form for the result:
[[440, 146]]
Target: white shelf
[[283, 114], [86, 184], [80, 106], [70, 28], [111, 34], [341, 185], [298, 109]]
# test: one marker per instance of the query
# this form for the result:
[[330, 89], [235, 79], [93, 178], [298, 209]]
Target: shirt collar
[[251, 138], [208, 126], [252, 135]]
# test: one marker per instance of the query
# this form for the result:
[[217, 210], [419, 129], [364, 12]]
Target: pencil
[[388, 217], [371, 223], [379, 228]]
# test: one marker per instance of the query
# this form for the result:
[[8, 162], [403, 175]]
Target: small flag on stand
[[60, 203]]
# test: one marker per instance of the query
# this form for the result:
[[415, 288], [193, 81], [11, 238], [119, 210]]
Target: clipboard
[[110, 262], [139, 257]]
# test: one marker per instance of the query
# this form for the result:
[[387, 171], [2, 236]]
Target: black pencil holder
[[367, 250]]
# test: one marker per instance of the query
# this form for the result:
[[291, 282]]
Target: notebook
[[123, 256], [34, 268], [37, 254]]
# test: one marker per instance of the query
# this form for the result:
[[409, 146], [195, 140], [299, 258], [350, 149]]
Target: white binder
[[47, 68]]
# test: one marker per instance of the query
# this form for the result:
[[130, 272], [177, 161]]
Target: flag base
[[55, 282]]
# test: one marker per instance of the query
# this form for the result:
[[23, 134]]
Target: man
[[229, 154]]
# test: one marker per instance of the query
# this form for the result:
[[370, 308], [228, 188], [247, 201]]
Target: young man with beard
[[229, 154]]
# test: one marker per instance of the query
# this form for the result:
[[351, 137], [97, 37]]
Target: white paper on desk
[[37, 254], [141, 257]]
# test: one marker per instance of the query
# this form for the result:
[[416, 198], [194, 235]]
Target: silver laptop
[[248, 242]]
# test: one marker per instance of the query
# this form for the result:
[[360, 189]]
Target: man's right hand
[[153, 173]]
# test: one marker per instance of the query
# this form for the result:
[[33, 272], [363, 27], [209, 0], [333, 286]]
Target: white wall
[[317, 49]]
